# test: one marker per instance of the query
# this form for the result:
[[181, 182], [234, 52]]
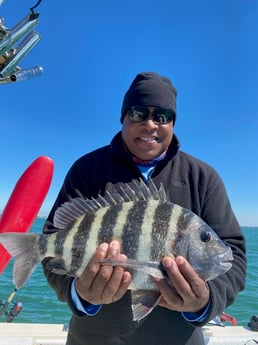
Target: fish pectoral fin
[[153, 269], [57, 266], [143, 302]]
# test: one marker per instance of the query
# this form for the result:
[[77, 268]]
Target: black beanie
[[150, 89]]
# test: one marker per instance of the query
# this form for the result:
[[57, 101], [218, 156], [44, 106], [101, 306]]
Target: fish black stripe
[[160, 229], [79, 241], [43, 241], [185, 218], [183, 224], [60, 239], [133, 228], [108, 222]]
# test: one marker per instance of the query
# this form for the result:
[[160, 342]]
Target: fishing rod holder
[[15, 44], [13, 311]]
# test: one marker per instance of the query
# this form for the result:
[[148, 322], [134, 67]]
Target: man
[[147, 147]]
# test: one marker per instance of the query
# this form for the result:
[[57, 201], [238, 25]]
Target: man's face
[[146, 139]]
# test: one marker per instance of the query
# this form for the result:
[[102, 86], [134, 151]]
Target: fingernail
[[167, 262], [114, 244], [115, 247], [103, 247], [126, 278], [180, 260]]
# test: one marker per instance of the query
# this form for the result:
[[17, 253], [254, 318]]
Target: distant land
[[44, 216], [242, 226]]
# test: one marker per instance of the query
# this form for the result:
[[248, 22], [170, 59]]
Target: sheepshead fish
[[148, 227]]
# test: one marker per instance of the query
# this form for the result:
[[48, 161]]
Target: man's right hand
[[103, 284]]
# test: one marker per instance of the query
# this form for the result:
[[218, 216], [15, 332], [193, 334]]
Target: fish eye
[[205, 236]]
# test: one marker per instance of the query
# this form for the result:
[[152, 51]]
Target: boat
[[229, 335], [221, 330], [56, 334]]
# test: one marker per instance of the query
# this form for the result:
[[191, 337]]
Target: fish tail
[[24, 247]]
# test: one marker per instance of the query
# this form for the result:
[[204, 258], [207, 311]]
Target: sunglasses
[[139, 113]]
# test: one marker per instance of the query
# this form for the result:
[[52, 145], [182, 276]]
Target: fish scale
[[123, 216], [145, 246], [80, 238], [162, 223], [109, 222], [68, 245], [133, 228], [92, 238]]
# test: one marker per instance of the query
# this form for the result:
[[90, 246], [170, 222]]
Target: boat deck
[[55, 334], [32, 334], [229, 335]]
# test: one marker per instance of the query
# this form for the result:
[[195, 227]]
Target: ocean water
[[40, 304]]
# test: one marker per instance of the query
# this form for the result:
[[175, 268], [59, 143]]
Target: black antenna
[[33, 7]]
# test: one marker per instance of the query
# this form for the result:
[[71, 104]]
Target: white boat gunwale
[[56, 334]]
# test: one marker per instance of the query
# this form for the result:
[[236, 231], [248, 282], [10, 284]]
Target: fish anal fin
[[143, 302]]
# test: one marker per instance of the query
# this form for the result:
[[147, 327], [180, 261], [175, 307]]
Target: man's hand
[[103, 284], [187, 292]]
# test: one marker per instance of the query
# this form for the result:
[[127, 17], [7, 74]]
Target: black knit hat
[[150, 89]]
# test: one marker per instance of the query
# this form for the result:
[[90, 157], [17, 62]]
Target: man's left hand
[[187, 292]]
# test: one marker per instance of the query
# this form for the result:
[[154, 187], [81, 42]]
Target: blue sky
[[91, 51]]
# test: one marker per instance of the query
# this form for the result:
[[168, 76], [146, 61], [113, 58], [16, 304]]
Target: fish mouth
[[225, 259], [218, 264]]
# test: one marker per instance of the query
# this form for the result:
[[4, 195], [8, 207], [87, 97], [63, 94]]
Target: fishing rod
[[26, 38], [14, 311]]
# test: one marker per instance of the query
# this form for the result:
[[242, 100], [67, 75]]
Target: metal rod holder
[[15, 44]]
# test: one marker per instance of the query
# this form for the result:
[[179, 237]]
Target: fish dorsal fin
[[157, 194], [75, 208], [79, 206]]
